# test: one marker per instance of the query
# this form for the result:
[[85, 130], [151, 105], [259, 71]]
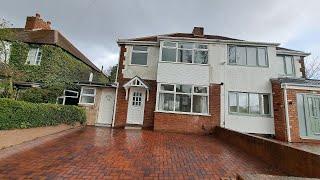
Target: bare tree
[[313, 67]]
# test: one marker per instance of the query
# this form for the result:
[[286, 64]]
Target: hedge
[[20, 114]]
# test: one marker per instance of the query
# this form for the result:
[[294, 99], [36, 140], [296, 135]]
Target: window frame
[[90, 95], [261, 106], [257, 56], [177, 48], [6, 52], [36, 57], [139, 51], [191, 94], [285, 66]]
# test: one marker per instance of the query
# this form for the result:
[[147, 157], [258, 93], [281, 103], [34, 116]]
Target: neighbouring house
[[45, 58], [193, 82]]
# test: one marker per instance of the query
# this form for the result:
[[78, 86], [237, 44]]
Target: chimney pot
[[198, 32]]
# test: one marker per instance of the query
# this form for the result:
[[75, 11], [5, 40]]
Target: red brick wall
[[122, 103], [184, 123], [279, 113], [302, 69], [293, 113], [293, 161]]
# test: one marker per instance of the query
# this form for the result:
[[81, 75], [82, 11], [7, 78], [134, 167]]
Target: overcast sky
[[93, 26]]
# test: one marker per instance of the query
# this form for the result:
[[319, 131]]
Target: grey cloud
[[95, 25]]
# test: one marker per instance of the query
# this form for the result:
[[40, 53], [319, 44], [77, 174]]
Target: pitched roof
[[289, 50], [154, 38], [51, 37]]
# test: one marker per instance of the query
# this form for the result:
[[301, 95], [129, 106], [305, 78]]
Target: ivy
[[58, 69]]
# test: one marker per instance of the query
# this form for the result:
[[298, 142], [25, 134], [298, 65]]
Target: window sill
[[230, 64], [170, 62], [140, 65], [250, 115], [85, 104], [310, 138], [32, 64], [183, 113]]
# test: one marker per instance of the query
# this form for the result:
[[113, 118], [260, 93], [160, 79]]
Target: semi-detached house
[[192, 82]]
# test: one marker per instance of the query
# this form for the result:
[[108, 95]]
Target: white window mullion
[[174, 99], [192, 90]]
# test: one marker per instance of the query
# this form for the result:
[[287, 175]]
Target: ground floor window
[[183, 98], [249, 103], [87, 95]]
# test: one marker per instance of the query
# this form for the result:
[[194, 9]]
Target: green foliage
[[112, 73], [58, 69], [19, 114], [37, 95]]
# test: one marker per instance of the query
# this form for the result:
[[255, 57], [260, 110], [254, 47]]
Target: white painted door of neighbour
[[136, 106], [106, 107]]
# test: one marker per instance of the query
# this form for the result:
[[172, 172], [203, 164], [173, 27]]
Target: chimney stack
[[198, 32], [36, 23]]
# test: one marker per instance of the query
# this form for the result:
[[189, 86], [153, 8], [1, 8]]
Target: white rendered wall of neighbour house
[[245, 79]]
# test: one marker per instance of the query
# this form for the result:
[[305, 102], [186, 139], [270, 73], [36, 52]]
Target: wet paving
[[105, 153]]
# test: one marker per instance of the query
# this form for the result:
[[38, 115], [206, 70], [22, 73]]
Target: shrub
[[37, 95], [20, 114]]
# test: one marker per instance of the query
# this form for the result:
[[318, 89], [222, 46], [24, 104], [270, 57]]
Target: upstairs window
[[34, 56], [184, 52], [139, 55], [248, 56], [5, 52], [288, 63]]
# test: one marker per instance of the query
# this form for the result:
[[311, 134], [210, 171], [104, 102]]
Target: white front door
[[106, 107], [136, 106]]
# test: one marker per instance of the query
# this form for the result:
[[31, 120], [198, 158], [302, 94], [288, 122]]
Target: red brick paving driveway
[[117, 153]]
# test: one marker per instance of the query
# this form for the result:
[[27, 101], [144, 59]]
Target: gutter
[[293, 53], [284, 86], [129, 41], [220, 41]]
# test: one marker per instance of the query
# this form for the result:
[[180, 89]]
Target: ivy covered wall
[[58, 69]]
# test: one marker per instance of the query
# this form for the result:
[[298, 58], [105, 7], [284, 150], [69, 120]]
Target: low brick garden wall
[[291, 160]]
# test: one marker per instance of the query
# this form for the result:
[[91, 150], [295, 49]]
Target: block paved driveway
[[117, 153]]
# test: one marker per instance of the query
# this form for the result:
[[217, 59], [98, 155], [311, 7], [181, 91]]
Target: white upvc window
[[34, 56], [87, 95], [248, 56], [184, 52], [139, 55], [5, 50], [183, 98], [249, 103]]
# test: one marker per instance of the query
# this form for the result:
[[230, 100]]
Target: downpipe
[[287, 112]]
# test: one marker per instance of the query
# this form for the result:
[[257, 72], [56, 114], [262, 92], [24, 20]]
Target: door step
[[133, 126], [102, 125]]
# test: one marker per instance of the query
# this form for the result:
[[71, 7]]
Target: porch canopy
[[136, 82]]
